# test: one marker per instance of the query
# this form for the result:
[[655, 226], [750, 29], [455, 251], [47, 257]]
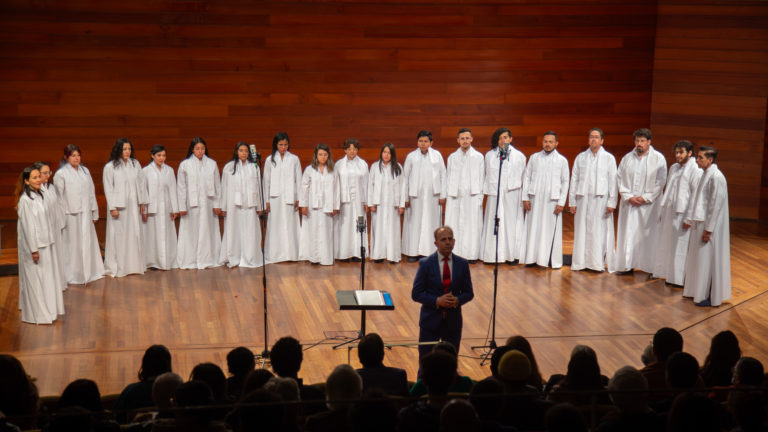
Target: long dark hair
[[279, 137], [393, 165], [497, 134], [156, 361], [724, 352], [195, 141], [236, 158], [23, 188], [117, 152], [68, 150], [329, 164]]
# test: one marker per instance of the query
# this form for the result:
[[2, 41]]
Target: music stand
[[347, 301]]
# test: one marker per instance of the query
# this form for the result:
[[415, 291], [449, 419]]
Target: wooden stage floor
[[201, 315]]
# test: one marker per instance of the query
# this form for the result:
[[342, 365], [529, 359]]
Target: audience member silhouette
[[240, 362], [370, 352], [629, 393], [724, 352], [521, 344], [458, 415], [286, 356], [666, 342], [18, 393], [342, 388], [156, 361]]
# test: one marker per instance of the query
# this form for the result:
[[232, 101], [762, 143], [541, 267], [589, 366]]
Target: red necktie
[[446, 276]]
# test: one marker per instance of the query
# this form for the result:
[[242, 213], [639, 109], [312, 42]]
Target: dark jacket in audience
[[393, 381]]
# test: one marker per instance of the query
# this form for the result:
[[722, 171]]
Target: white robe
[[241, 199], [159, 232], [423, 187], [125, 190], [511, 215], [465, 178], [83, 262], [708, 267], [545, 185], [384, 194], [638, 225], [672, 249], [199, 188], [353, 190], [593, 189], [40, 294], [320, 194], [282, 181], [57, 220]]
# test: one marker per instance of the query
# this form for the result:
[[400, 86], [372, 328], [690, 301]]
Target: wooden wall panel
[[87, 72], [710, 86]]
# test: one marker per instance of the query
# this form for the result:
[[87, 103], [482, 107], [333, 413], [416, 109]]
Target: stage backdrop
[[88, 72]]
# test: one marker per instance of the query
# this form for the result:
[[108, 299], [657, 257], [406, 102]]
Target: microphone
[[503, 151], [255, 155], [361, 224]]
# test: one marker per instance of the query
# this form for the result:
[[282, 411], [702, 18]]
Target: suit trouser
[[447, 331]]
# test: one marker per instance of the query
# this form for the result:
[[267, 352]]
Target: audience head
[[647, 356], [286, 357], [240, 361], [521, 344], [682, 371], [156, 361], [583, 369], [343, 384], [514, 368], [83, 393], [164, 388], [447, 347], [748, 372], [18, 393], [629, 390], [459, 415], [666, 342], [693, 412], [498, 353], [256, 380], [212, 375], [438, 370], [370, 350], [564, 417], [288, 390], [260, 410], [373, 413], [487, 396], [194, 394], [724, 352]]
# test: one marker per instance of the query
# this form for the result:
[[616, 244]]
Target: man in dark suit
[[370, 351], [442, 285]]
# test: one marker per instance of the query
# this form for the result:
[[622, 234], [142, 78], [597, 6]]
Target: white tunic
[[545, 185], [638, 225], [57, 220], [384, 194], [282, 180], [199, 188], [672, 247], [241, 199], [159, 232], [593, 189], [353, 190], [40, 295], [82, 258], [423, 187], [511, 215], [125, 190], [320, 194], [465, 177], [708, 267]]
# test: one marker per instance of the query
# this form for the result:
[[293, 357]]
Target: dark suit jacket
[[393, 381], [428, 286]]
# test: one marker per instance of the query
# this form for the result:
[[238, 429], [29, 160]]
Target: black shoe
[[515, 262], [377, 261], [413, 258], [355, 259], [706, 302], [472, 261], [343, 260], [627, 272]]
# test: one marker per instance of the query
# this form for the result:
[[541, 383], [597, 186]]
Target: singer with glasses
[[353, 187], [511, 222], [282, 180], [240, 204]]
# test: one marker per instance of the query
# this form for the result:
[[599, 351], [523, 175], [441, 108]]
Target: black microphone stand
[[491, 347], [263, 224], [361, 229]]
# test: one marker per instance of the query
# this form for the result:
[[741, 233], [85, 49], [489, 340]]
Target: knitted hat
[[514, 366]]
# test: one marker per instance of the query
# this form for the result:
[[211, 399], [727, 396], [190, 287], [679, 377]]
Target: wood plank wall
[[87, 72], [710, 85]]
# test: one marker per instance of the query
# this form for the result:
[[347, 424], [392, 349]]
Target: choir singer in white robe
[[282, 181], [126, 193], [545, 189], [672, 249], [708, 267], [240, 207], [511, 216], [199, 189], [319, 202], [386, 205], [465, 177], [40, 295], [56, 216], [83, 262], [159, 230], [592, 200], [424, 194], [353, 188], [642, 174]]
